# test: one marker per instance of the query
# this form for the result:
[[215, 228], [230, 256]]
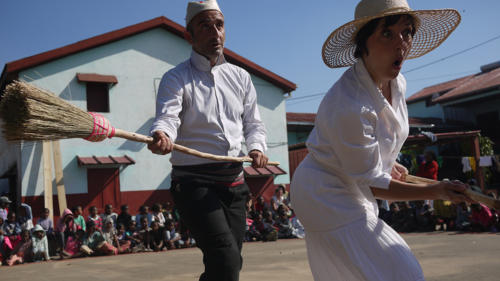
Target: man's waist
[[226, 173]]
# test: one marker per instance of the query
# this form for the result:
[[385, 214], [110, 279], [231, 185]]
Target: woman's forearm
[[402, 191]]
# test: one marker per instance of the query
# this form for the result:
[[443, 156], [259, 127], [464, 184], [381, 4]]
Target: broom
[[32, 114], [474, 195]]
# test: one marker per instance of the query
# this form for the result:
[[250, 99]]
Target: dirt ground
[[443, 256]]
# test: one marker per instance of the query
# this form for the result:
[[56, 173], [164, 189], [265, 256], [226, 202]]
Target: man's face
[[108, 209], [208, 34]]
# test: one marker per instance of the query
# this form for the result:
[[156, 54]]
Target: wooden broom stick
[[30, 113], [474, 195]]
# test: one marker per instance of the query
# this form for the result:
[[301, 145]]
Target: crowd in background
[[24, 238]]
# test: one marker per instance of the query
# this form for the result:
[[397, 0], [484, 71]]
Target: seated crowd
[[22, 240], [423, 216], [100, 234]]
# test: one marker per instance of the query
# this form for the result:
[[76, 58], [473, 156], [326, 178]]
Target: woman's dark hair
[[368, 29], [156, 207]]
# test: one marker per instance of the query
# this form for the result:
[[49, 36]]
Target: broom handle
[[474, 195], [146, 139]]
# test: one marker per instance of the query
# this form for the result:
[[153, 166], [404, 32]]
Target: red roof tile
[[300, 117], [11, 69], [93, 77], [478, 83], [105, 160], [267, 171], [442, 87]]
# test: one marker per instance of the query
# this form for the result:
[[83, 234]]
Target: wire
[[452, 55], [440, 76], [307, 96]]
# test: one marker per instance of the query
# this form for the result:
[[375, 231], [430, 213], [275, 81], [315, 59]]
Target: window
[[97, 97]]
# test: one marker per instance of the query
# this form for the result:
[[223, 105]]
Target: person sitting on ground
[[264, 231], [40, 244], [45, 222], [145, 233], [25, 218], [73, 245], [94, 242], [94, 216], [108, 213], [66, 227], [78, 217], [157, 215], [261, 205], [172, 237], [187, 240], [284, 224], [123, 242], [168, 212], [109, 232], [124, 217], [424, 217], [156, 237], [481, 218], [22, 251], [12, 233], [279, 197], [143, 212], [132, 234], [2, 254], [462, 221]]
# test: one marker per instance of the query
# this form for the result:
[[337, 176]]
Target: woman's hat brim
[[433, 27]]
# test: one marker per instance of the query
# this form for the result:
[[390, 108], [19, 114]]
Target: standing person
[[208, 104], [108, 213], [78, 217], [94, 216], [360, 127], [429, 168], [124, 217]]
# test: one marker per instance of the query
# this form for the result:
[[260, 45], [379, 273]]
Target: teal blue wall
[[138, 62], [419, 109]]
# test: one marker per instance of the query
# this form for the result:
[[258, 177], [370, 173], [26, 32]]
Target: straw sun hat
[[433, 27]]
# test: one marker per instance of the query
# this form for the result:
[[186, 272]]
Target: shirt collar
[[202, 63]]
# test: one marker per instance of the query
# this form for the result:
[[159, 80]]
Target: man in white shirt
[[210, 105]]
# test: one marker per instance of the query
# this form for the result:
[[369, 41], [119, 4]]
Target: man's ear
[[188, 37]]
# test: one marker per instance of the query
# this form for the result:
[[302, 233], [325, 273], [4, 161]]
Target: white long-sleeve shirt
[[210, 109], [353, 146]]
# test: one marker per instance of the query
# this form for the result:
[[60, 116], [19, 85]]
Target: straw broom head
[[30, 113]]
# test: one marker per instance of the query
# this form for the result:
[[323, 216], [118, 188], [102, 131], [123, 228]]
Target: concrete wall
[[138, 62], [419, 109]]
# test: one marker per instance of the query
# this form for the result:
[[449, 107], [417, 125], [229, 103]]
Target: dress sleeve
[[253, 127], [168, 106], [352, 133]]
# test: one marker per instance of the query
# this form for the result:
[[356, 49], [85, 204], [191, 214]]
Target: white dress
[[354, 144]]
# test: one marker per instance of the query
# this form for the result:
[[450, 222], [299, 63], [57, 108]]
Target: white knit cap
[[197, 7]]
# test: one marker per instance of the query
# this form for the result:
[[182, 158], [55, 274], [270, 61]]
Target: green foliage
[[485, 146]]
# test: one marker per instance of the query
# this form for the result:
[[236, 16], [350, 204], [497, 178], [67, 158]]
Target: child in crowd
[[261, 205], [94, 216], [145, 234], [108, 213], [4, 207], [463, 214], [264, 231], [156, 237], [109, 232], [40, 244], [94, 242], [11, 232], [481, 218], [73, 245], [158, 215], [45, 222], [171, 236], [123, 242], [136, 243], [78, 217], [66, 227], [25, 218], [22, 251], [143, 212], [279, 197], [186, 241], [2, 254], [124, 217], [284, 225], [168, 212]]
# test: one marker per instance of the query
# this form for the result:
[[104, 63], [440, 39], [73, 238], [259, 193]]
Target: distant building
[[468, 103], [117, 74]]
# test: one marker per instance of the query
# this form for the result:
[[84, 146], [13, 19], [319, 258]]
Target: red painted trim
[[96, 78], [159, 22]]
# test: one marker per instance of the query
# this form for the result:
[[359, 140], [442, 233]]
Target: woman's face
[[387, 48]]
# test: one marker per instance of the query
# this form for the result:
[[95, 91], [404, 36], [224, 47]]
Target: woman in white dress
[[360, 127]]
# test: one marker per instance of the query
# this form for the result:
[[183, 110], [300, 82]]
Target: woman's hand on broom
[[399, 172], [161, 143], [453, 191]]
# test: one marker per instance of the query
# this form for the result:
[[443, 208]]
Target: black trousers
[[215, 215]]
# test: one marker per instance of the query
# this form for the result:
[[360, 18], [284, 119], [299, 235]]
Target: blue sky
[[283, 36]]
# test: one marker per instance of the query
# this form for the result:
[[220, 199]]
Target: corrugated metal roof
[[105, 160]]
